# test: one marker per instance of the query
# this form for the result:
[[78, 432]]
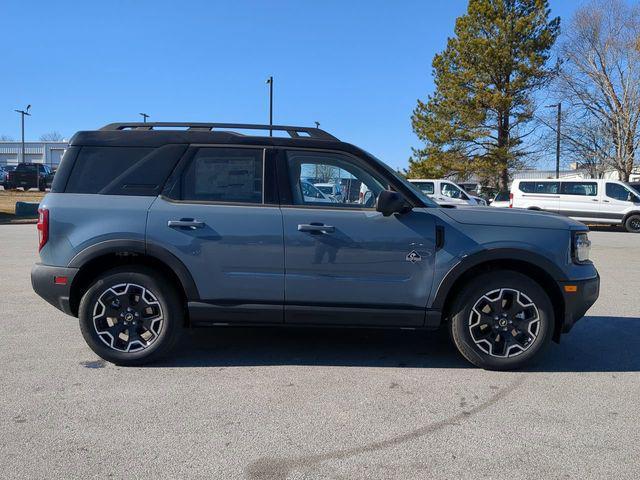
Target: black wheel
[[130, 316], [501, 320], [632, 224]]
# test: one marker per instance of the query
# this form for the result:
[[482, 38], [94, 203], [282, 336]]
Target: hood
[[511, 217]]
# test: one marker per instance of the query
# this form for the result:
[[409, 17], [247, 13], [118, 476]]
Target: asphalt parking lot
[[347, 404]]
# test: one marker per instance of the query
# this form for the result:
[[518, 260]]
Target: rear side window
[[539, 187], [588, 189], [233, 175], [425, 187], [122, 170]]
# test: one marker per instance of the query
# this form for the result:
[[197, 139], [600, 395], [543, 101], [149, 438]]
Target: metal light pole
[[22, 114], [558, 126], [317, 124], [144, 117], [270, 82]]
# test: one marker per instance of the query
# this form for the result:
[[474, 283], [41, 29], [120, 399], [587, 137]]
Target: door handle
[[316, 228], [605, 201], [594, 200], [185, 223]]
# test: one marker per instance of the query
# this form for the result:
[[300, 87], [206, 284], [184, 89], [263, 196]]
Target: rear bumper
[[43, 282], [577, 303]]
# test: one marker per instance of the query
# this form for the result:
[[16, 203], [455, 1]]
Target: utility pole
[[144, 117], [22, 114], [558, 133], [270, 82]]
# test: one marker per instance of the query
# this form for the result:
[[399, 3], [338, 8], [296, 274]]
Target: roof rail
[[294, 132]]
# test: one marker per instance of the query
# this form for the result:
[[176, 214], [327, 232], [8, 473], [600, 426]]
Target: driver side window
[[311, 171]]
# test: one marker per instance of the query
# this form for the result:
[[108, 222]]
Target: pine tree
[[475, 120]]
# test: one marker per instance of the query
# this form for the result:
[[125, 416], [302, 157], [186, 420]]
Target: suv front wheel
[[129, 316], [501, 320]]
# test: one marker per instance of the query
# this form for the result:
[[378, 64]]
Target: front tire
[[632, 224], [130, 316], [501, 320]]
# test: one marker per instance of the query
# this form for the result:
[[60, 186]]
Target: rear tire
[[131, 316], [501, 320], [632, 223]]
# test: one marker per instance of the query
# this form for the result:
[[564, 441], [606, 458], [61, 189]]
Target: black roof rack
[[294, 132]]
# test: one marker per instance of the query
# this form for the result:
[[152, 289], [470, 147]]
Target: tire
[[492, 335], [632, 223], [130, 316]]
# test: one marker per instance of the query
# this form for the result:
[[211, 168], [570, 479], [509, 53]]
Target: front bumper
[[43, 282], [576, 303]]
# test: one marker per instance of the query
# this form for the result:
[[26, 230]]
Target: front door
[[616, 202], [345, 263], [218, 220]]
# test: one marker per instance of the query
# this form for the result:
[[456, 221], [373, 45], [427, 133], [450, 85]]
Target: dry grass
[[9, 198]]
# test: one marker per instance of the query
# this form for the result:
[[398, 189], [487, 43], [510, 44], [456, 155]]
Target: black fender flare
[[142, 248], [485, 256]]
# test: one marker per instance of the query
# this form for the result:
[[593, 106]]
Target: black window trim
[[185, 161]]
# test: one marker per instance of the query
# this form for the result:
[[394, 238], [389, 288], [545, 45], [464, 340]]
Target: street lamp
[[144, 117], [270, 82], [317, 124], [22, 114], [559, 120]]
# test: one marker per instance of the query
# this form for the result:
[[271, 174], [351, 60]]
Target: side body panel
[[79, 221]]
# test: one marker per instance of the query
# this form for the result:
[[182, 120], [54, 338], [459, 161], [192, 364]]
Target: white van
[[443, 192], [608, 202]]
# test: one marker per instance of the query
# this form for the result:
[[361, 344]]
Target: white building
[[48, 153]]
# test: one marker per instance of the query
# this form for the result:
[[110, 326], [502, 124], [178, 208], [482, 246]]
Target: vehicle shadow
[[596, 344]]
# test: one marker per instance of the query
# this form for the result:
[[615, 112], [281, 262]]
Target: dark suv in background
[[151, 228], [29, 175]]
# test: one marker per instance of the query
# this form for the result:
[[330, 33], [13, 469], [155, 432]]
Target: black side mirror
[[391, 202]]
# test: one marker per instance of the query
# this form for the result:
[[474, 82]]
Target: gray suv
[[152, 228]]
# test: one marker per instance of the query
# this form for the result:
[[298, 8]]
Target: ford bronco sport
[[151, 228]]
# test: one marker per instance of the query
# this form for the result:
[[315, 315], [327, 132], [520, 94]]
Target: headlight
[[581, 247]]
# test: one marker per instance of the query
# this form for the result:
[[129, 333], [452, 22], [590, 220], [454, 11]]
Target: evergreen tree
[[474, 121]]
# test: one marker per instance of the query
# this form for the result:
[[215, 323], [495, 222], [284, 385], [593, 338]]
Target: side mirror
[[391, 202]]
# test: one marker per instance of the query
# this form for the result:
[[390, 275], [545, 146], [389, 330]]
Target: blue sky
[[357, 67]]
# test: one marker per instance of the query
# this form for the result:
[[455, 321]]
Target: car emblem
[[413, 257]]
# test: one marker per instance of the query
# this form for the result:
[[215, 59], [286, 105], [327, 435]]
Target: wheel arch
[[537, 267], [94, 260], [626, 217]]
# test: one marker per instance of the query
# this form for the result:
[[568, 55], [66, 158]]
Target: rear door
[[579, 199], [219, 216], [345, 262]]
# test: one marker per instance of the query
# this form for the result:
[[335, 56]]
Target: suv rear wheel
[[129, 316], [501, 320]]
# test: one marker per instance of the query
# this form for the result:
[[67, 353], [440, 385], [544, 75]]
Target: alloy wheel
[[504, 323], [128, 317]]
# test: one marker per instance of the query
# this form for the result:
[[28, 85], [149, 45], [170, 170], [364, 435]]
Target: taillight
[[43, 227], [510, 200]]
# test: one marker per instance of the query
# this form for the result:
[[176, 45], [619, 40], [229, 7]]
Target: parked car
[[28, 175], [332, 190], [147, 232], [49, 178], [314, 194], [600, 201], [501, 200], [444, 192]]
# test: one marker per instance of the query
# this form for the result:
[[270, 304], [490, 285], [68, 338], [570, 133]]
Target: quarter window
[[540, 187], [358, 187], [232, 175], [587, 189]]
